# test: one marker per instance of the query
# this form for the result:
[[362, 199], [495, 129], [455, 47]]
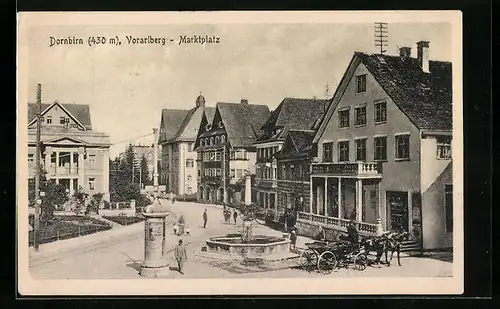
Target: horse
[[376, 244], [393, 242]]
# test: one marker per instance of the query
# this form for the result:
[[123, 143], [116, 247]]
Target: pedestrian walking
[[205, 218], [176, 228], [180, 255], [181, 223], [235, 216]]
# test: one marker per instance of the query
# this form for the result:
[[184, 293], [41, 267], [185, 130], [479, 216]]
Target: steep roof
[[172, 120], [297, 113], [210, 113], [242, 121], [80, 111], [301, 142], [426, 98]]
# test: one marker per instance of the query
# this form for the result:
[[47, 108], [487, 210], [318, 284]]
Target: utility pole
[[155, 166], [224, 197], [36, 228]]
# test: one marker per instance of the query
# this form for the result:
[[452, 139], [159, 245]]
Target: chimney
[[423, 55], [244, 101], [405, 52]]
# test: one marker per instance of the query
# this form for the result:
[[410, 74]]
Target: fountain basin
[[258, 246]]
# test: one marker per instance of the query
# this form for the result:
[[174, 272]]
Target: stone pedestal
[[154, 264], [248, 190]]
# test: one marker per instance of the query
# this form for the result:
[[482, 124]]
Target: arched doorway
[[206, 194]]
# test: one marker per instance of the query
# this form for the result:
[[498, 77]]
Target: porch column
[[105, 174], [318, 199], [326, 196], [339, 194], [81, 169], [71, 162], [359, 200], [71, 187], [48, 155], [57, 162], [311, 196]]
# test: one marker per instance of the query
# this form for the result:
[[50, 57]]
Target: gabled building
[[291, 114], [294, 162], [384, 150], [178, 131], [73, 154], [226, 153]]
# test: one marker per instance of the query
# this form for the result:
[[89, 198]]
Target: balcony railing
[[350, 169], [364, 228], [63, 170]]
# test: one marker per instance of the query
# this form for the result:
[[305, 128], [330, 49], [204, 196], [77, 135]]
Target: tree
[[95, 202], [144, 171], [80, 196]]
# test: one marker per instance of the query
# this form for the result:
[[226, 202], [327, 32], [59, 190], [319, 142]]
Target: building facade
[[178, 131], [226, 153], [384, 150], [147, 152], [294, 162], [73, 154], [291, 114]]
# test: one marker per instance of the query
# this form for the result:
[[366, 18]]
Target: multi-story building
[[73, 154], [178, 131], [291, 114], [294, 161], [226, 153], [147, 152], [384, 149]]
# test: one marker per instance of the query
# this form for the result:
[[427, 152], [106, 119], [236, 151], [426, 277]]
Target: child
[[175, 228], [293, 239]]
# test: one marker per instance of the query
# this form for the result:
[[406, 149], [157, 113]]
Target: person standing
[[293, 239], [181, 223], [235, 216], [180, 255], [205, 218]]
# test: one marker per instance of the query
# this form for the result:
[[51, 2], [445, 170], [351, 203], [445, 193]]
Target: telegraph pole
[[155, 166], [381, 36], [36, 227]]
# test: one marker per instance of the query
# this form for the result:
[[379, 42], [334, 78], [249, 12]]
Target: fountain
[[247, 245]]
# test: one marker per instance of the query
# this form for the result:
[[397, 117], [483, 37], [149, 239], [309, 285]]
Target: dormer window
[[221, 125], [211, 141], [217, 140], [208, 127], [206, 141], [202, 142], [223, 139], [49, 119]]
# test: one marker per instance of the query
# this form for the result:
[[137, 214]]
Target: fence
[[48, 236]]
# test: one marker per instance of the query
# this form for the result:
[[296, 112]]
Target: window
[[223, 139], [361, 83], [189, 163], [91, 160], [380, 148], [328, 152], [403, 147], [444, 147], [218, 172], [448, 204], [231, 173], [239, 173], [30, 159], [217, 156], [206, 171], [202, 142], [91, 184], [232, 154], [380, 112], [189, 178], [344, 151], [344, 118], [211, 141], [205, 157], [49, 119], [360, 116], [62, 120], [199, 173], [189, 190], [361, 149], [190, 146], [217, 140]]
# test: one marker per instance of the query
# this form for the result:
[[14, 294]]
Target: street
[[122, 259]]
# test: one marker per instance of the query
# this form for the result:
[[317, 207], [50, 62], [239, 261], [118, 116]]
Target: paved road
[[121, 259]]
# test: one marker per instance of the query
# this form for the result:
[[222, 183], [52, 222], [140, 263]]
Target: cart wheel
[[360, 261], [308, 259], [327, 262]]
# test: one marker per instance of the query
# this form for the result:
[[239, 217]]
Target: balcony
[[263, 160], [65, 170], [359, 169], [266, 183], [364, 228]]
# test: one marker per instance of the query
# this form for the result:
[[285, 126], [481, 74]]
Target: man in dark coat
[[235, 216], [180, 255], [205, 218], [352, 232]]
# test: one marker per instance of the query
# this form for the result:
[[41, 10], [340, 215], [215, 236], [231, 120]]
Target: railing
[[63, 170], [337, 223], [358, 168]]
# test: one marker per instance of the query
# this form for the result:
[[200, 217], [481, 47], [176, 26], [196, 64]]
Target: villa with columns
[[73, 154]]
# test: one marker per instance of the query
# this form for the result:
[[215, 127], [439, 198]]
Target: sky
[[126, 87]]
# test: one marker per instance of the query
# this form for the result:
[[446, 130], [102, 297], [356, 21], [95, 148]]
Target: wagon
[[327, 256]]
